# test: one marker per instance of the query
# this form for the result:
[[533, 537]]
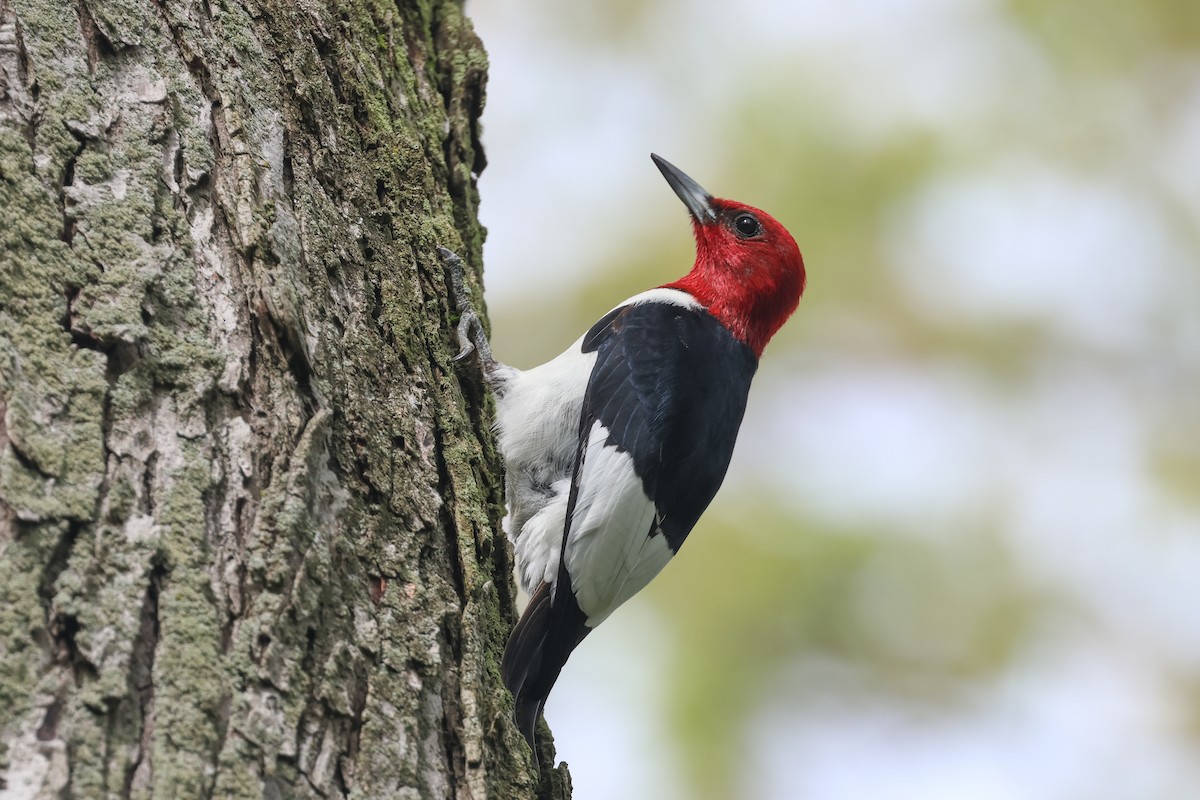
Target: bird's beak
[[698, 201]]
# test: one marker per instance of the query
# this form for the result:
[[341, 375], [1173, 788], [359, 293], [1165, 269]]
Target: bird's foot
[[469, 327], [471, 336]]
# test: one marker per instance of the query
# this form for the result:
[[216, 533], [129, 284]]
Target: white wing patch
[[609, 548]]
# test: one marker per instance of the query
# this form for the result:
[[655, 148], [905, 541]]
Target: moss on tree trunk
[[249, 520]]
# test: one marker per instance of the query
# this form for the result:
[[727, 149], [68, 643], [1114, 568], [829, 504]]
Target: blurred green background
[[958, 553]]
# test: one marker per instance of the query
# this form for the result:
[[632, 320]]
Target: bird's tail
[[523, 659], [539, 645]]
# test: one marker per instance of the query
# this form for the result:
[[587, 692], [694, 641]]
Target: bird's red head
[[749, 273]]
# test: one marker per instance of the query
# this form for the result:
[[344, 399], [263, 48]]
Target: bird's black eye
[[747, 225]]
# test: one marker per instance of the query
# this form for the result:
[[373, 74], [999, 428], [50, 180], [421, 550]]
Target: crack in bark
[[148, 504], [68, 179], [456, 756], [28, 461], [22, 97], [193, 60], [451, 627], [120, 356], [98, 46], [295, 355], [56, 564], [140, 678], [358, 705], [223, 725], [63, 630], [48, 730], [324, 47]]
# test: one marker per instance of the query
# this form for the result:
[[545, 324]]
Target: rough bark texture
[[249, 530]]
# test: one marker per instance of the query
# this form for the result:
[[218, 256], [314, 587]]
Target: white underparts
[[537, 422]]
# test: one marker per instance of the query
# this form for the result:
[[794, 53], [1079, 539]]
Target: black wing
[[660, 418], [670, 385]]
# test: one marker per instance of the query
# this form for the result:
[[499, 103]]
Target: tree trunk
[[249, 521]]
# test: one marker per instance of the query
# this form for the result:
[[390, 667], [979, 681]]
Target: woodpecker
[[615, 448]]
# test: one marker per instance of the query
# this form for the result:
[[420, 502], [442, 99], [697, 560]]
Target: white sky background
[[1090, 711]]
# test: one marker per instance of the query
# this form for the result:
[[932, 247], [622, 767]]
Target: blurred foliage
[[762, 587], [1108, 36]]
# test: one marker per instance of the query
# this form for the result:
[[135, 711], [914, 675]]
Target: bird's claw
[[466, 323], [471, 337]]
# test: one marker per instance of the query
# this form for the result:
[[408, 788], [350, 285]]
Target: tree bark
[[249, 506]]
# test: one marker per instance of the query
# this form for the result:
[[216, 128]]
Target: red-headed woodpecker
[[614, 449]]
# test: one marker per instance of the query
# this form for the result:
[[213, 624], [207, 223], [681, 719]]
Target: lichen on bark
[[250, 507]]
